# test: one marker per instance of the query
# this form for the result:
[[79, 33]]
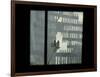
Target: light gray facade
[[37, 20]]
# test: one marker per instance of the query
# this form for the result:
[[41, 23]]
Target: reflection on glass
[[64, 37], [37, 19]]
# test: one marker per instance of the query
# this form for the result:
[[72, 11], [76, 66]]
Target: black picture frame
[[20, 38]]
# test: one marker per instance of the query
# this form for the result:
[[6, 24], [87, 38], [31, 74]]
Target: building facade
[[69, 25]]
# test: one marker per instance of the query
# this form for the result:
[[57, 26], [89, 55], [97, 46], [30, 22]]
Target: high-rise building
[[69, 26]]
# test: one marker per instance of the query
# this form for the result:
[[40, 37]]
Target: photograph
[[64, 37]]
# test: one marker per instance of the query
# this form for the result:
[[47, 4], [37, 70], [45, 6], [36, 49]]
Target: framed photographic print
[[49, 38]]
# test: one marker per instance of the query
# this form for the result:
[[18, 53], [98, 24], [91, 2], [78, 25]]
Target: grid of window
[[67, 25]]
